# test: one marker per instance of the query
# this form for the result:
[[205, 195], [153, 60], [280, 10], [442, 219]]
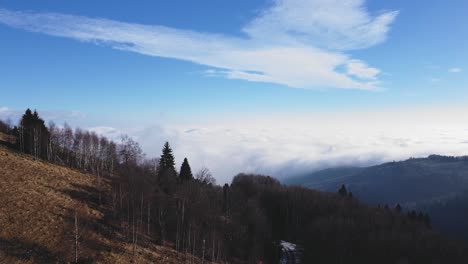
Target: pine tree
[[226, 198], [427, 220], [33, 135], [167, 159], [398, 208], [185, 171], [167, 174], [342, 191]]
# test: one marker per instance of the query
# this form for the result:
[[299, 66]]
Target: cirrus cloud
[[296, 43]]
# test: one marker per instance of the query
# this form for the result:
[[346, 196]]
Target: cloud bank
[[297, 43], [282, 146]]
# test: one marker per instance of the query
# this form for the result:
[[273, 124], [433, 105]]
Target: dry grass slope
[[37, 205]]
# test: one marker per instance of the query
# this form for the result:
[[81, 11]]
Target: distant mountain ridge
[[394, 182], [433, 184]]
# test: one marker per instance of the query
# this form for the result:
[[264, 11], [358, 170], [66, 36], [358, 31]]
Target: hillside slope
[[436, 184], [406, 182], [326, 179], [37, 206]]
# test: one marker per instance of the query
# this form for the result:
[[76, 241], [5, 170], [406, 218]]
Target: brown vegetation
[[37, 205]]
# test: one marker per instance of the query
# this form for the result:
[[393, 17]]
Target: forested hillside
[[436, 184], [127, 206], [53, 214]]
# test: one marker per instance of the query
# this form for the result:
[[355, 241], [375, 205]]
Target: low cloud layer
[[283, 146], [297, 43]]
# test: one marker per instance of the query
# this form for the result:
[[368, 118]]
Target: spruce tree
[[342, 191], [33, 135], [398, 208], [167, 174], [427, 220], [225, 198], [167, 162], [185, 171]]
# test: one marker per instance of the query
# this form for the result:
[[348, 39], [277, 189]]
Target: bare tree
[[204, 176], [130, 151]]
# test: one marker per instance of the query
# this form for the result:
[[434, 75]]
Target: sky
[[277, 87]]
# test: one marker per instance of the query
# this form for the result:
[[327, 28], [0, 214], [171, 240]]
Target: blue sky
[[147, 64]]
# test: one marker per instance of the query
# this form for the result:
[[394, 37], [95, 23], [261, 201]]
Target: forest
[[240, 222]]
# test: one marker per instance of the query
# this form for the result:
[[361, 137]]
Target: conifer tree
[[167, 159], [33, 135], [225, 198], [398, 208], [185, 171], [167, 174], [342, 191], [427, 220]]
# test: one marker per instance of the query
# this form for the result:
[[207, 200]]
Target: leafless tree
[[204, 176]]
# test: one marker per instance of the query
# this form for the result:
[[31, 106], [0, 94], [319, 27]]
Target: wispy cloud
[[330, 24], [296, 43], [361, 70], [455, 70]]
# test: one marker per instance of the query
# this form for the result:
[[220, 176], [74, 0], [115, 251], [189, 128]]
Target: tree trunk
[[149, 218], [76, 236]]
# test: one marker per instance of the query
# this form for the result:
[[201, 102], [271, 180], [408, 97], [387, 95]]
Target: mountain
[[132, 210], [324, 179], [433, 184], [38, 201]]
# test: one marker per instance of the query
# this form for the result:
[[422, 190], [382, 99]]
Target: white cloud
[[455, 70], [295, 43], [7, 113], [283, 145], [290, 144], [361, 70], [332, 24], [110, 132]]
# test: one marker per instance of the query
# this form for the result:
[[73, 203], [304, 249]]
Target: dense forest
[[241, 222], [437, 185]]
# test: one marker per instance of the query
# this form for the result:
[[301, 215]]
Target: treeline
[[149, 198], [151, 201]]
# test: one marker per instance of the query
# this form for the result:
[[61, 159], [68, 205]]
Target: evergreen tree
[[167, 159], [225, 198], [33, 135], [427, 220], [420, 217], [167, 174], [398, 208], [342, 191], [185, 171]]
